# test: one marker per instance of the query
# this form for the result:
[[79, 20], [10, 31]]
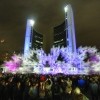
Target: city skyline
[[14, 15]]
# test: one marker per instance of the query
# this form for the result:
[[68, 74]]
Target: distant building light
[[39, 42], [14, 52], [59, 41], [2, 41]]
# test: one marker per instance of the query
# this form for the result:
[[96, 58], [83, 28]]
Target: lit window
[[39, 42], [59, 41]]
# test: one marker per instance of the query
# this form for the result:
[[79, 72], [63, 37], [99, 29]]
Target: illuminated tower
[[28, 36], [70, 29]]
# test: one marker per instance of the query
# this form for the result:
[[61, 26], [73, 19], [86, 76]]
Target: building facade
[[33, 39], [64, 34], [37, 40], [60, 35]]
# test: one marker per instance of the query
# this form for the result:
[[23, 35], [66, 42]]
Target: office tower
[[33, 39], [64, 34]]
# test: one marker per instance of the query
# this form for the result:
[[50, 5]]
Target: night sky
[[47, 14]]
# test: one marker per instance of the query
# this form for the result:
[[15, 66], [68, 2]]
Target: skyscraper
[[70, 28], [33, 39], [64, 34]]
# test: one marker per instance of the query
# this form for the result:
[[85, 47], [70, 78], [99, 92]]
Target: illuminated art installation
[[85, 61], [13, 64]]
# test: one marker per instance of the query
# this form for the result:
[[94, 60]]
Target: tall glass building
[[33, 39], [64, 34], [37, 40], [60, 35]]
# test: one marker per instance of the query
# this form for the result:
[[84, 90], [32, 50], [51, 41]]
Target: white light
[[2, 41], [32, 22], [66, 8]]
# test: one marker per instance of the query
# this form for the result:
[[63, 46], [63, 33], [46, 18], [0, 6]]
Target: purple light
[[13, 64], [71, 64], [94, 58]]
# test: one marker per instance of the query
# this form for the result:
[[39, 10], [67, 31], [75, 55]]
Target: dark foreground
[[49, 87]]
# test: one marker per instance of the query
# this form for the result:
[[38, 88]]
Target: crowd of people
[[49, 87]]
